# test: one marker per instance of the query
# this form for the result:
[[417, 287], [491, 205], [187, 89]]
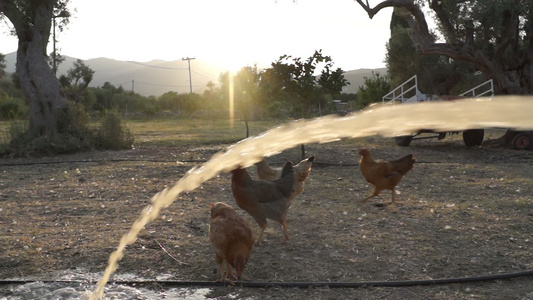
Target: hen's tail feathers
[[404, 164], [287, 169], [239, 262], [241, 252]]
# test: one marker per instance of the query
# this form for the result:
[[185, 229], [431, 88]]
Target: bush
[[74, 134], [13, 108], [113, 134], [15, 130]]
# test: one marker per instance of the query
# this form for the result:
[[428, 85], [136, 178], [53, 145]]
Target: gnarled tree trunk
[[41, 89], [32, 22]]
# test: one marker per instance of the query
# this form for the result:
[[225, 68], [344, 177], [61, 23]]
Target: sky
[[229, 33]]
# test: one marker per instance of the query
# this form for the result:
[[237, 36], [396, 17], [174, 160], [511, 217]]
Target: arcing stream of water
[[389, 120]]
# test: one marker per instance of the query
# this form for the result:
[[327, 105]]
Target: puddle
[[76, 284]]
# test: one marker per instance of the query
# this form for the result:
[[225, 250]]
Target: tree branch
[[509, 32], [420, 26], [449, 30], [10, 11]]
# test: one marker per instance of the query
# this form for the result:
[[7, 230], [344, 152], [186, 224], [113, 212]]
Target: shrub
[[13, 108], [74, 134], [10, 141], [113, 134]]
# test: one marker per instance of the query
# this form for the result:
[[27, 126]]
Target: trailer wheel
[[473, 137], [403, 141], [522, 141]]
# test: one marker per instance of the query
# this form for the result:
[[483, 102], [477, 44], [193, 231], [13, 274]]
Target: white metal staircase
[[487, 89], [408, 92], [405, 93]]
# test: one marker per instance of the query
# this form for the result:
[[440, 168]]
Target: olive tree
[[496, 37], [76, 81], [32, 22]]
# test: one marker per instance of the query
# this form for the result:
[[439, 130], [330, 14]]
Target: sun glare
[[231, 103]]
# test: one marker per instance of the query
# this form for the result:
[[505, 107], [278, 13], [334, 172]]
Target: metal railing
[[406, 92], [488, 91]]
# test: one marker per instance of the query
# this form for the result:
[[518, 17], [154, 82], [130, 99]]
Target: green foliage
[[12, 108], [15, 130], [347, 97], [252, 99], [215, 101], [193, 103], [104, 96], [75, 133], [21, 142], [492, 38], [76, 123], [80, 75], [293, 83], [75, 83], [256, 93], [245, 90], [2, 65], [488, 24], [372, 90], [170, 101], [437, 74], [12, 105], [113, 133], [332, 82]]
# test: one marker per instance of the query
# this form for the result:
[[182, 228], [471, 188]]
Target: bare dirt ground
[[461, 212]]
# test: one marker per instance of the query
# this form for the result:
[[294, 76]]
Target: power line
[[124, 82], [163, 85], [169, 68], [157, 67], [208, 77]]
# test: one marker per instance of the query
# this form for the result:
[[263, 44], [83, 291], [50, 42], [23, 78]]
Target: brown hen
[[384, 175], [232, 238]]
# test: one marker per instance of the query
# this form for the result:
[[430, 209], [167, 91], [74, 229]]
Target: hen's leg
[[260, 237], [229, 271], [366, 199], [375, 192], [220, 262], [225, 273], [286, 231], [393, 199]]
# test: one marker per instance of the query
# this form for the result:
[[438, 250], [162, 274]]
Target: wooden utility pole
[[188, 59]]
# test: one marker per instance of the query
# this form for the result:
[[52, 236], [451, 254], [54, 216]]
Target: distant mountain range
[[157, 77]]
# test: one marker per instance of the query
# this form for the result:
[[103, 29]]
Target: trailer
[[408, 92]]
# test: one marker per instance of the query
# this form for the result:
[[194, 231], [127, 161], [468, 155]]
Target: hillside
[[356, 78], [157, 77]]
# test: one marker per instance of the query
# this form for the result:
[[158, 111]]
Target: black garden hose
[[403, 283]]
